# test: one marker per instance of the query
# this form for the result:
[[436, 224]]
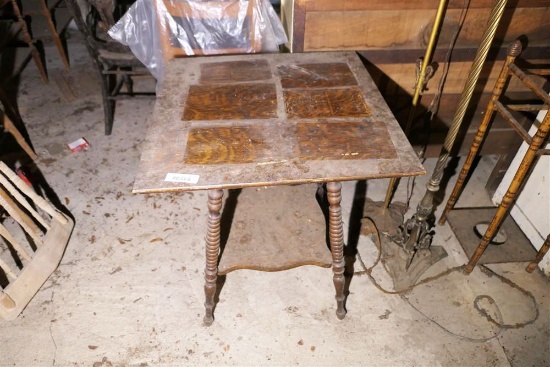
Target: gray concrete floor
[[128, 291]]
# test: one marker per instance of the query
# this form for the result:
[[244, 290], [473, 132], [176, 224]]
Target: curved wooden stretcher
[[45, 229]]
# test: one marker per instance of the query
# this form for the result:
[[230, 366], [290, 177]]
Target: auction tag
[[182, 177]]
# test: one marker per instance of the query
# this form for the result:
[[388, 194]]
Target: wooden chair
[[536, 149], [114, 62], [36, 251], [47, 10], [543, 250], [186, 13], [27, 37], [9, 126]]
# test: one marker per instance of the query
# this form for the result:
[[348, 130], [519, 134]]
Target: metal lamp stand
[[409, 253]]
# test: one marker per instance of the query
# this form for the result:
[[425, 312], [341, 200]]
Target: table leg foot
[[212, 252], [208, 319], [336, 236]]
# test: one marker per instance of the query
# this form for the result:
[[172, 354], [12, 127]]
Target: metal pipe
[[471, 81], [420, 83], [425, 207]]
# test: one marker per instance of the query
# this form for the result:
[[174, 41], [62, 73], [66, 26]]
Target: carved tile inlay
[[316, 75], [341, 102], [231, 102], [234, 71], [217, 145], [344, 140]]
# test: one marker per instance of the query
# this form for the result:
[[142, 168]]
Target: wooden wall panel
[[351, 5], [364, 30], [405, 77]]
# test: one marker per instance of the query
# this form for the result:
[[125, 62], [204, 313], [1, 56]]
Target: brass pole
[[420, 83], [425, 207]]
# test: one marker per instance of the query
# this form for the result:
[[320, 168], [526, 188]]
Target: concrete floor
[[128, 291]]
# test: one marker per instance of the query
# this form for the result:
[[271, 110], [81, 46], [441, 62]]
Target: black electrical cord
[[499, 322]]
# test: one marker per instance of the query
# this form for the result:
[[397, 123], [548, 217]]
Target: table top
[[270, 119]]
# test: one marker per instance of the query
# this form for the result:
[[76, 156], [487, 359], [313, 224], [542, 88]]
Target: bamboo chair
[[45, 228], [536, 149], [543, 250], [204, 12]]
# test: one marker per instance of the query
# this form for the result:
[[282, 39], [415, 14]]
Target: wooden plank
[[404, 56], [10, 127], [404, 76], [351, 5], [279, 238], [501, 139], [477, 107], [361, 30], [299, 25], [497, 143], [36, 272]]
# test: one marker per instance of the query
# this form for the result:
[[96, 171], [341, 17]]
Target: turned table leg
[[336, 235], [212, 252]]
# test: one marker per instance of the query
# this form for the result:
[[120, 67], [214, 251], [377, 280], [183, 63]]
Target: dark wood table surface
[[269, 120]]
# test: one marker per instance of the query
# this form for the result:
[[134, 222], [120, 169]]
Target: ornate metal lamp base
[[404, 267], [396, 260]]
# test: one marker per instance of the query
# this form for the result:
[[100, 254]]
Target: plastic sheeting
[[152, 29]]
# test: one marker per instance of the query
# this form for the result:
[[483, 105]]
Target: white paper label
[[182, 177]]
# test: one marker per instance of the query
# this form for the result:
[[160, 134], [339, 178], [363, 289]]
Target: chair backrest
[[185, 27], [105, 9], [95, 20], [86, 23]]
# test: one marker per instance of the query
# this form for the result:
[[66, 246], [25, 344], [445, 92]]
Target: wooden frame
[[10, 127], [48, 11], [49, 232], [509, 70], [27, 38], [204, 10]]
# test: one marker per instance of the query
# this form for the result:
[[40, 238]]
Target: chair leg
[[478, 139], [28, 39], [108, 104], [511, 194], [9, 126], [129, 84], [53, 30], [543, 250]]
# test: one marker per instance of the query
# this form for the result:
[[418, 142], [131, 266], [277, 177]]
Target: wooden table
[[267, 120]]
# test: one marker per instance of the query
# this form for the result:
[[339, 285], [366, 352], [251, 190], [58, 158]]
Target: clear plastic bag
[[158, 30]]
